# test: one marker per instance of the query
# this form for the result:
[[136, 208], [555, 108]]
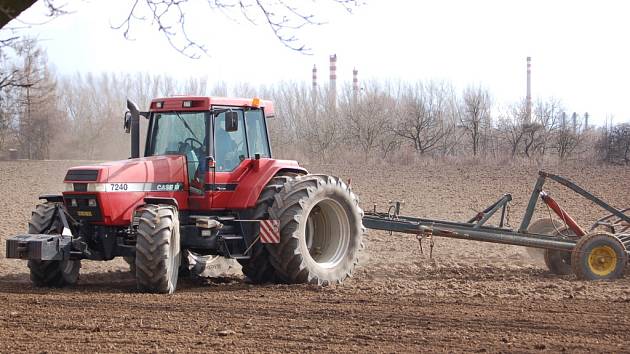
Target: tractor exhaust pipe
[[132, 125]]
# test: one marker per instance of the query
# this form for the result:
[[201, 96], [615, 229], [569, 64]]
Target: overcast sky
[[580, 49]]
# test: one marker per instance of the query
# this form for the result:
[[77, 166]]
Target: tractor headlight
[[96, 187], [73, 203], [91, 203]]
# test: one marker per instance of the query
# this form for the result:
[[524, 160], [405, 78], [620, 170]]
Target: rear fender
[[251, 185]]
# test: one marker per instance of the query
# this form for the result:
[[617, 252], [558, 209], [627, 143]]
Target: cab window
[[257, 133], [230, 147]]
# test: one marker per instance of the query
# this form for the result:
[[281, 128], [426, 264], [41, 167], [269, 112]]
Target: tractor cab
[[220, 138]]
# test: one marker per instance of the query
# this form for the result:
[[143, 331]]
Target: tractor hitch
[[39, 247]]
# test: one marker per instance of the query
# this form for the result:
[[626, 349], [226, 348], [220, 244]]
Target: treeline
[[44, 116]]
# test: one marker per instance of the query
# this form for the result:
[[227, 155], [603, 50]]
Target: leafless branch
[[283, 17]]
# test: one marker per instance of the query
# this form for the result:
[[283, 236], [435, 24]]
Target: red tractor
[[208, 185]]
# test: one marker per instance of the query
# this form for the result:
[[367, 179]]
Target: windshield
[[173, 132], [181, 133]]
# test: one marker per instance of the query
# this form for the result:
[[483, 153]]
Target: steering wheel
[[192, 143]]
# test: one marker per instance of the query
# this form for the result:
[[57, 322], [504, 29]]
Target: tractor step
[[231, 237], [240, 256], [232, 246]]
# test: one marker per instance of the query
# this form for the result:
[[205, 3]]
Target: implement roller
[[601, 252]]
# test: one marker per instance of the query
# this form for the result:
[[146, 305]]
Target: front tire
[[158, 253], [321, 230], [50, 273], [54, 273]]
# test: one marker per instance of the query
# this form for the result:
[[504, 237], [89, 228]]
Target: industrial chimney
[[529, 91], [355, 83], [563, 121], [333, 80], [314, 92], [586, 121]]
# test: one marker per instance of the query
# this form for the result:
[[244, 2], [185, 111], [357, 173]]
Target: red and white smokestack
[[355, 83], [333, 73], [314, 77], [529, 90]]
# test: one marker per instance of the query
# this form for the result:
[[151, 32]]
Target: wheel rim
[[327, 234], [602, 260]]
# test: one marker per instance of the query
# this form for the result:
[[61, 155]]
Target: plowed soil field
[[468, 297]]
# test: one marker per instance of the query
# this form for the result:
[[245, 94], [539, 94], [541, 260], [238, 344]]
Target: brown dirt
[[469, 297]]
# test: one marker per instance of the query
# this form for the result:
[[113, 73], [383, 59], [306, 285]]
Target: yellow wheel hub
[[602, 260]]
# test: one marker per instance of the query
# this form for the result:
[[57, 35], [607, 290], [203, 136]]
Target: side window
[[256, 133], [230, 147]]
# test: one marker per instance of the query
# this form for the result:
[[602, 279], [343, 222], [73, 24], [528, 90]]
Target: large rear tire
[[50, 273], [158, 253], [321, 230], [259, 268]]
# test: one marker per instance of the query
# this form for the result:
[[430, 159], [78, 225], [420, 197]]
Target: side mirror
[[127, 122], [231, 121]]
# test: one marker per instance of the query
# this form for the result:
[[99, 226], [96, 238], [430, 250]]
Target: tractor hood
[[110, 192], [154, 173]]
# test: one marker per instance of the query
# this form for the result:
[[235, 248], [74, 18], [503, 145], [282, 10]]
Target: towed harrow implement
[[601, 252]]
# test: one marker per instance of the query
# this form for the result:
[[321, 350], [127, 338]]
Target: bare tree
[[292, 102], [423, 118], [615, 144], [368, 120], [474, 114], [568, 137], [11, 74], [305, 122], [320, 127], [36, 115], [547, 115], [511, 126], [11, 9], [538, 135]]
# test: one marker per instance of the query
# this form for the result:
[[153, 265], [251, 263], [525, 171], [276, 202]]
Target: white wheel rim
[[327, 233]]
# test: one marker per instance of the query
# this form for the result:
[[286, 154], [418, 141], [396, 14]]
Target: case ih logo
[[169, 187]]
